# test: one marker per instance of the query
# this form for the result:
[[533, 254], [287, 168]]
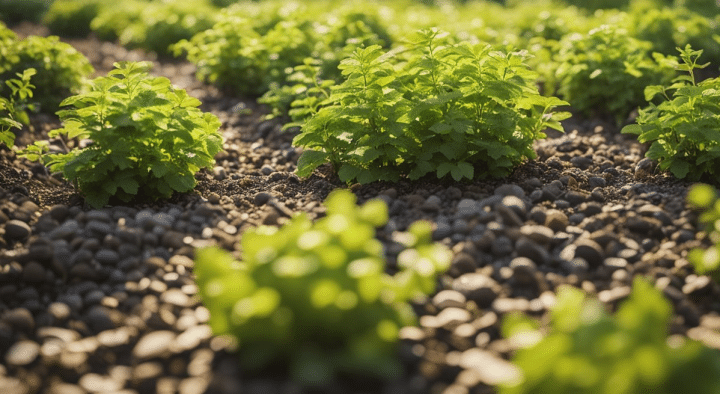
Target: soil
[[103, 300]]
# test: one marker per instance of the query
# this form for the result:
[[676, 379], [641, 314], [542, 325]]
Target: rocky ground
[[98, 301]]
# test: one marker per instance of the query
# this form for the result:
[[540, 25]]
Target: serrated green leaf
[[349, 172], [309, 160], [680, 168], [181, 182]]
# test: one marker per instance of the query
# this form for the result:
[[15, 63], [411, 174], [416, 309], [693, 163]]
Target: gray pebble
[[262, 198], [98, 319], [443, 229], [463, 263], [525, 247], [596, 181], [107, 257], [59, 212], [502, 246], [467, 208], [510, 190], [73, 301], [98, 229], [33, 272], [267, 169]]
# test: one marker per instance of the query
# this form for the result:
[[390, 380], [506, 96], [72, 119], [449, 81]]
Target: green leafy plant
[[71, 18], [252, 52], [588, 351], [60, 69], [707, 261], [12, 108], [670, 28], [301, 97], [314, 297], [605, 71], [16, 11], [153, 25], [148, 138], [683, 129], [439, 107]]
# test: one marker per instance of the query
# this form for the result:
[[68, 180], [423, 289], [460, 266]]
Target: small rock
[[467, 208], [490, 369], [20, 319], [22, 353], [267, 169], [153, 344], [449, 318], [33, 272], [94, 383], [98, 319], [16, 230], [524, 270], [596, 181], [449, 299], [59, 212], [175, 297], [510, 190], [556, 220], [262, 198], [525, 247], [107, 257], [477, 287]]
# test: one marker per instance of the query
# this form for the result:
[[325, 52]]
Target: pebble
[[20, 319], [153, 344], [16, 230], [477, 287], [556, 220], [33, 272], [523, 270], [449, 299], [22, 353]]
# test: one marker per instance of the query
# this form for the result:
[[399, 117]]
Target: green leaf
[[348, 172], [181, 182], [309, 160], [680, 168]]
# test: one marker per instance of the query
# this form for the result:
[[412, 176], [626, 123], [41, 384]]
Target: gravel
[[104, 300]]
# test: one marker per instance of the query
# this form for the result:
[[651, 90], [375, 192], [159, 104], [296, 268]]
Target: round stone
[[22, 353], [16, 230]]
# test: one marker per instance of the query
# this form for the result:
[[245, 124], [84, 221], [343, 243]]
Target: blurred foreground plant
[[707, 261], [589, 352], [315, 298]]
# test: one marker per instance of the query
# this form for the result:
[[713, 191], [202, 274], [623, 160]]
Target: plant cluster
[[72, 18], [60, 69], [314, 297], [605, 71], [12, 106], [155, 25], [248, 54], [438, 108], [707, 261], [588, 351], [16, 11], [670, 28], [683, 129], [148, 138]]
